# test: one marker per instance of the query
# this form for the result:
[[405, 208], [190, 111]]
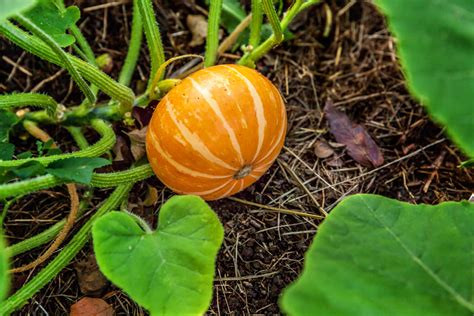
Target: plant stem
[[152, 34], [79, 138], [76, 76], [133, 47], [103, 145], [29, 99], [83, 44], [35, 46], [20, 297], [212, 41], [256, 24], [99, 180], [270, 12], [259, 51]]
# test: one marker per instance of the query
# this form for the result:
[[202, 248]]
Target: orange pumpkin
[[216, 132]]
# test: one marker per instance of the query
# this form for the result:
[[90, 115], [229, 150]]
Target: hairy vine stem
[[35, 46], [152, 34], [103, 145], [99, 180], [256, 24], [212, 41], [30, 99], [48, 40], [65, 256]]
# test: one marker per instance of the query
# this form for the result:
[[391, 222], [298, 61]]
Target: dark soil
[[263, 250]]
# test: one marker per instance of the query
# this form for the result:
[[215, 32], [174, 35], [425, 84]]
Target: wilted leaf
[[151, 196], [88, 306], [322, 149], [76, 169], [360, 146], [6, 151], [9, 8], [91, 280], [7, 121], [197, 24], [47, 16], [377, 256], [141, 115], [137, 142], [169, 271]]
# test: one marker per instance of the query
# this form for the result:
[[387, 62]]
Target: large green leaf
[[378, 256], [4, 279], [54, 21], [435, 42], [169, 271], [9, 8]]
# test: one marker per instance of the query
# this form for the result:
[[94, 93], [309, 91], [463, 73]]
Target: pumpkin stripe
[[194, 140], [228, 191], [258, 105], [215, 107], [178, 166], [213, 190]]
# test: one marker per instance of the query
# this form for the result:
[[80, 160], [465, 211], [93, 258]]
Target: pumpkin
[[216, 132]]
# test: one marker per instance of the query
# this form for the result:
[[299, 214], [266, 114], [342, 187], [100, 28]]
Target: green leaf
[[9, 8], [53, 21], [25, 155], [76, 169], [4, 279], [7, 121], [377, 256], [28, 170], [435, 42], [6, 151], [169, 271]]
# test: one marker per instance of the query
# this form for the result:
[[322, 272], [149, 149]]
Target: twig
[[275, 209], [61, 236], [247, 277], [436, 164]]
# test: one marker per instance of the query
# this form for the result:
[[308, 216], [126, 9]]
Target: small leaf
[[76, 169], [7, 121], [360, 145], [28, 170], [197, 24], [4, 278], [169, 271], [26, 154], [10, 8], [435, 41], [322, 149], [137, 142], [377, 256], [88, 306], [6, 151], [47, 16]]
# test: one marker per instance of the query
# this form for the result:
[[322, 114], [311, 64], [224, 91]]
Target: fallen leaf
[[335, 162], [151, 196], [142, 116], [360, 146], [137, 142], [121, 150], [91, 280], [322, 149], [88, 306], [197, 24]]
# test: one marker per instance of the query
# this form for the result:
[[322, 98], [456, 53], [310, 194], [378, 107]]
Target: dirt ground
[[263, 250]]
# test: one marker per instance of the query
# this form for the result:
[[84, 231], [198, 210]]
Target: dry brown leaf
[[91, 280], [151, 196], [360, 146], [88, 306], [137, 142], [322, 149], [197, 24]]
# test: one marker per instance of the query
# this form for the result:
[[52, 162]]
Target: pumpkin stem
[[243, 172]]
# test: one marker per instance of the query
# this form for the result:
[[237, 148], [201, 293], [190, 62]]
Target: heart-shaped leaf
[[54, 21], [169, 271], [9, 8], [435, 41], [377, 256], [6, 151], [76, 169]]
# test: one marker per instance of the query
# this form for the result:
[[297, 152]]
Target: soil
[[354, 65]]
